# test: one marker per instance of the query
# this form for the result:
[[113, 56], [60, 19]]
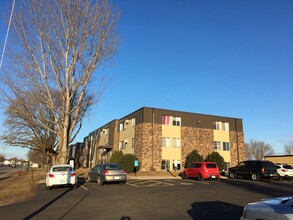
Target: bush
[[127, 163], [217, 158], [116, 157], [194, 156]]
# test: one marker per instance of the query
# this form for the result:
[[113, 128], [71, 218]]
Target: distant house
[[7, 163], [287, 159]]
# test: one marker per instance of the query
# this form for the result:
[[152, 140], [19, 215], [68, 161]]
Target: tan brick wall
[[233, 147], [196, 139], [144, 148]]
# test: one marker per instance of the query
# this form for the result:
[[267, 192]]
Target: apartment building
[[161, 139]]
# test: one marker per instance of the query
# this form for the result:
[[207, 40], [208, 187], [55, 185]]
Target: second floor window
[[226, 146], [176, 142], [166, 142], [217, 145]]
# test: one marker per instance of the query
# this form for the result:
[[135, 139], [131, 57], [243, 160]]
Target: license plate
[[116, 177], [213, 176]]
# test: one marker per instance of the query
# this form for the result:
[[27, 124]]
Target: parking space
[[165, 182]]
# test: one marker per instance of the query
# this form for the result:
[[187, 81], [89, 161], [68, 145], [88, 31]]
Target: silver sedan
[[269, 209], [102, 173]]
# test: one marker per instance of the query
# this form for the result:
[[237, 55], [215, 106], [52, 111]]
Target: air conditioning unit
[[125, 141], [126, 121]]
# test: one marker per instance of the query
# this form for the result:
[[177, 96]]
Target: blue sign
[[136, 163]]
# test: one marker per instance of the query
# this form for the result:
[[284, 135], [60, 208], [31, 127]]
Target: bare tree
[[248, 152], [288, 149], [258, 149], [58, 47], [2, 158], [36, 156]]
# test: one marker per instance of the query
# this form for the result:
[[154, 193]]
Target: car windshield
[[112, 167], [58, 169]]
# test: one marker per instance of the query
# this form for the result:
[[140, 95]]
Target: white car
[[61, 175], [269, 209], [284, 170]]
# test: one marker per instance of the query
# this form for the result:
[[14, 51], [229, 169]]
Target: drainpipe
[[153, 149], [237, 140]]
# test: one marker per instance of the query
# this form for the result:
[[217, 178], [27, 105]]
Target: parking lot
[[148, 199]]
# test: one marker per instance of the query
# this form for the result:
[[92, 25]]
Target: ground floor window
[[226, 166], [176, 165], [165, 164]]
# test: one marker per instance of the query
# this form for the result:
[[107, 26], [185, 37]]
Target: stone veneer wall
[[143, 149], [198, 139], [233, 147]]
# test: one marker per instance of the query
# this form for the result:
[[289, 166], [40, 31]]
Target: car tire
[[48, 188], [232, 175], [200, 177], [100, 181], [184, 176], [255, 176]]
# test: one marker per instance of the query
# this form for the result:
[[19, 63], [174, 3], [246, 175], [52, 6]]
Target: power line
[[6, 38]]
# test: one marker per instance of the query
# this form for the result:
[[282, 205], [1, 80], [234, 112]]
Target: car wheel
[[100, 181], [48, 188], [200, 177], [184, 176], [254, 176], [232, 175]]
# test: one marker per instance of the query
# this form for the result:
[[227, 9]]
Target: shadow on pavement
[[46, 205], [215, 210]]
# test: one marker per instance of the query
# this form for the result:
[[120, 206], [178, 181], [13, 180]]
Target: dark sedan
[[102, 173]]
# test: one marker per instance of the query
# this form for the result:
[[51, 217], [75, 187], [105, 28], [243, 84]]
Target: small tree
[[127, 163], [116, 157], [259, 149], [217, 158], [194, 156], [288, 149]]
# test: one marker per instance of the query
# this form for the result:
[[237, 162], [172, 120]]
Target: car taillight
[[124, 171], [106, 172], [72, 174], [51, 175], [262, 170]]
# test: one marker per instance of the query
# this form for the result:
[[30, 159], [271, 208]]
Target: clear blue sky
[[227, 58]]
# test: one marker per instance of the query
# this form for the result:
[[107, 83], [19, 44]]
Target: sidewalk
[[154, 175]]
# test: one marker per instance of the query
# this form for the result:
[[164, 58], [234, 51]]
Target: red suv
[[202, 171]]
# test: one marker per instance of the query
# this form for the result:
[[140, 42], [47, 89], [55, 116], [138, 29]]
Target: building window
[[171, 120], [176, 165], [226, 146], [133, 122], [225, 126], [226, 166], [217, 145], [216, 125], [122, 144], [166, 142], [176, 142], [165, 164], [166, 120], [132, 142], [106, 131], [177, 121]]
